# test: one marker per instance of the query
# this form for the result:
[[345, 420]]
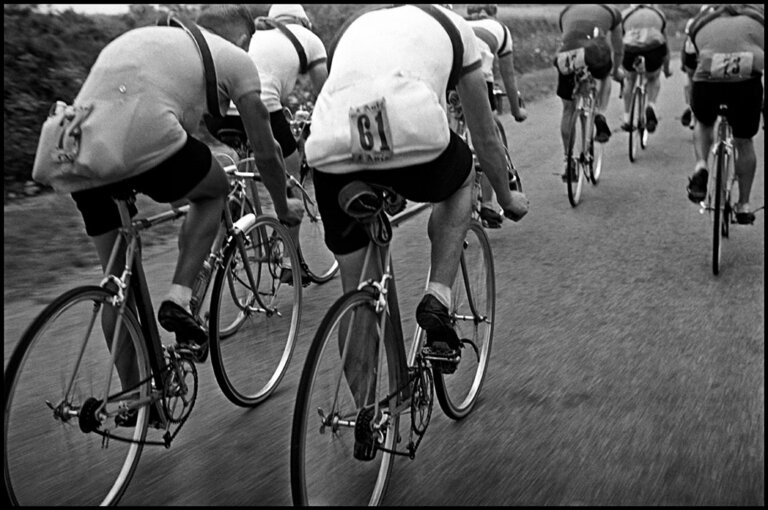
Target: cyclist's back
[[578, 21], [728, 41], [154, 82], [278, 60], [644, 27]]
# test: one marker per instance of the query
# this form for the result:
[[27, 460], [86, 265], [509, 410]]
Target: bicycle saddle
[[364, 201]]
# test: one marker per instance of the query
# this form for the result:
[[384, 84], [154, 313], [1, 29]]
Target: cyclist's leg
[[655, 60], [744, 116], [704, 102], [629, 84], [565, 84]]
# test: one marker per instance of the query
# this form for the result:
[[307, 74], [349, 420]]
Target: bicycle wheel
[[54, 448], [473, 304], [576, 158], [643, 129], [319, 262], [720, 219], [635, 124], [249, 364], [323, 468]]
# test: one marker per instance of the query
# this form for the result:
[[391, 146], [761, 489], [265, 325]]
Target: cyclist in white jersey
[[495, 42], [381, 118]]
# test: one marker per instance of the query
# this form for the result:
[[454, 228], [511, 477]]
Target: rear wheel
[[473, 304], [576, 158], [250, 363], [323, 468], [54, 424], [635, 124], [719, 225]]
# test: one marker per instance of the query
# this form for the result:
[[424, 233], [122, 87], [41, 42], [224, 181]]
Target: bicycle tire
[[458, 392], [72, 467], [250, 364], [318, 261], [643, 121], [635, 133], [323, 469], [719, 217], [575, 158]]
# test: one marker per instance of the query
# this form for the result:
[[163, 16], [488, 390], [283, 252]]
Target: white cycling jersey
[[384, 105], [278, 62], [494, 40]]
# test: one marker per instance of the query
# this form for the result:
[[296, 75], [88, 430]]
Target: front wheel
[[338, 379], [250, 363], [473, 305], [54, 424]]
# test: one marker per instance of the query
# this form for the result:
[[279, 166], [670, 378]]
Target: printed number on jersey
[[727, 66], [568, 62], [371, 134]]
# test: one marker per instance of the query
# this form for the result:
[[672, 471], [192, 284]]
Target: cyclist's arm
[[479, 118], [507, 68], [266, 151], [617, 46], [318, 74]]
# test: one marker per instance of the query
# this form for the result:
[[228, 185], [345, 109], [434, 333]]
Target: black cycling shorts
[[281, 130], [597, 56], [431, 182], [654, 58], [742, 97], [168, 182]]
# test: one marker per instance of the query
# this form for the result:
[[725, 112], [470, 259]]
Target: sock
[[180, 295], [626, 118], [441, 292], [488, 205], [700, 164]]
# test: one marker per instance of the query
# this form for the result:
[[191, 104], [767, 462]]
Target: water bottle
[[200, 286]]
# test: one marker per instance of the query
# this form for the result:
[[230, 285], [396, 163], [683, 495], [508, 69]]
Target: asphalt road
[[623, 371]]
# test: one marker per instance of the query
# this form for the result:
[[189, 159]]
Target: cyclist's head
[[233, 22], [291, 13], [479, 11]]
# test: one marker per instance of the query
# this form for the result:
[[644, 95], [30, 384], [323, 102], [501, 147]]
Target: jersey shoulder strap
[[211, 84], [273, 23], [440, 17]]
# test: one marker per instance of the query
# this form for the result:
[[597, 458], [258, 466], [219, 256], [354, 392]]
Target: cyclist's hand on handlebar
[[294, 214], [521, 115]]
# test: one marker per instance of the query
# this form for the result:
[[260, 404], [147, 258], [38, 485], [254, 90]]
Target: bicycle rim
[[473, 303], [643, 129], [319, 262], [249, 364], [576, 158], [323, 469], [719, 217], [49, 460]]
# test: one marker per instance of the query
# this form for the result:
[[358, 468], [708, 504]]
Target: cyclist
[[597, 29], [151, 85], [381, 118], [279, 66], [495, 43], [729, 42], [643, 26]]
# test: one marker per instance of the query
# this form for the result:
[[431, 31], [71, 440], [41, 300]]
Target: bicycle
[[327, 418], [719, 199], [82, 395], [459, 126], [316, 261], [584, 157], [638, 133]]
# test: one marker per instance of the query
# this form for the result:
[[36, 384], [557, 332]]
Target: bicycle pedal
[[444, 361], [365, 440], [196, 353]]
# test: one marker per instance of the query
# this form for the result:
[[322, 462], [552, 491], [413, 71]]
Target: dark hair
[[218, 18]]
